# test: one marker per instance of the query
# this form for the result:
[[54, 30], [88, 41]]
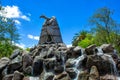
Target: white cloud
[[25, 18], [14, 12], [36, 37], [33, 37], [30, 36], [21, 45], [17, 22]]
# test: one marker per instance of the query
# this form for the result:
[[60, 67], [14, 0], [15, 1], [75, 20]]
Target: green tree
[[88, 40], [78, 37], [106, 29], [8, 28], [8, 34]]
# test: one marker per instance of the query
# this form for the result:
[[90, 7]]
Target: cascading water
[[63, 61], [77, 64], [112, 66], [80, 58]]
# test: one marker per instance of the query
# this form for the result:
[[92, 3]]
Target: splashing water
[[34, 78], [100, 52], [110, 59], [80, 58]]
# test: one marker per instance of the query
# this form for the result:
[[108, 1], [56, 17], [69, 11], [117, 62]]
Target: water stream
[[80, 58], [77, 68]]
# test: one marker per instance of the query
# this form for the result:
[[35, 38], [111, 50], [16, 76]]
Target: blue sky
[[72, 16]]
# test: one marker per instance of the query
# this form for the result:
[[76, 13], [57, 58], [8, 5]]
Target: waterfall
[[80, 58], [110, 59], [99, 51]]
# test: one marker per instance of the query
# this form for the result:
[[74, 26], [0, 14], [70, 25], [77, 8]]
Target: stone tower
[[50, 32]]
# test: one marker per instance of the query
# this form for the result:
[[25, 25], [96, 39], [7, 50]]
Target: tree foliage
[[8, 34], [105, 29], [79, 37], [88, 40]]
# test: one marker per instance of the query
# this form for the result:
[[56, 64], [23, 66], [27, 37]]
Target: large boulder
[[104, 63], [107, 48], [83, 75], [37, 66], [8, 77], [77, 51], [18, 76], [50, 63], [26, 61], [108, 77], [58, 69], [46, 75], [13, 67], [72, 73], [15, 54], [14, 64], [3, 63], [70, 63], [69, 52], [94, 74], [90, 50], [62, 76], [44, 51], [50, 52]]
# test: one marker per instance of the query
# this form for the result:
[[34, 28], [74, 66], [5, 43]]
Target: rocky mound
[[57, 62]]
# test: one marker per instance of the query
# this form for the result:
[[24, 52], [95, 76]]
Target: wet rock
[[62, 76], [18, 76], [14, 64], [43, 53], [13, 67], [94, 74], [26, 78], [8, 77], [76, 52], [107, 48], [50, 52], [46, 75], [28, 70], [72, 73], [83, 75], [60, 58], [103, 63], [90, 49], [61, 45], [108, 77], [115, 58], [35, 53], [50, 63], [70, 63], [58, 69], [3, 63], [69, 52], [37, 66], [49, 76], [15, 54], [26, 61], [62, 49]]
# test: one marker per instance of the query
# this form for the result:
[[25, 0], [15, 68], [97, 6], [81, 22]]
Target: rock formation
[[50, 31], [55, 61]]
